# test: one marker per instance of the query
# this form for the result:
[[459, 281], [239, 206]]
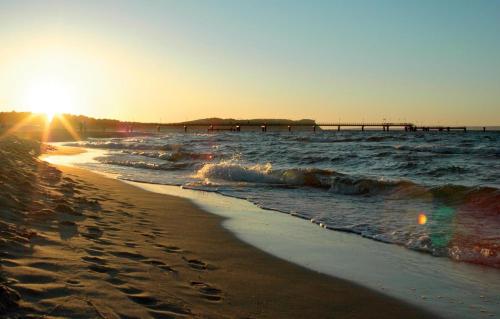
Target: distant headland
[[31, 125]]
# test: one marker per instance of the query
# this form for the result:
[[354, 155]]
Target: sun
[[49, 97]]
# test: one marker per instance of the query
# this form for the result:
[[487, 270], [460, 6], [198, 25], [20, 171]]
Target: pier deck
[[237, 125]]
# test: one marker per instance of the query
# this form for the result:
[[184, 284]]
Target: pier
[[445, 128], [384, 126]]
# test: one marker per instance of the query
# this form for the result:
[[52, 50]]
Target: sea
[[433, 192], [414, 215]]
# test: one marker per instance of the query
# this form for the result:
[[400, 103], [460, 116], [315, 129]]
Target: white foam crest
[[232, 171]]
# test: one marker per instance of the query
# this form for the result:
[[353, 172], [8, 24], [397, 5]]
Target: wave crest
[[311, 177]]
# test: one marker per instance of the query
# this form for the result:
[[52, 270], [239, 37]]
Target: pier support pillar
[[484, 128], [338, 128], [362, 127], [185, 129], [314, 128]]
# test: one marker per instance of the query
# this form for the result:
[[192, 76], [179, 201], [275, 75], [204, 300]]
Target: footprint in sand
[[154, 262], [35, 278], [46, 266], [159, 232], [169, 249], [74, 283], [67, 229], [126, 205], [103, 269], [46, 290], [144, 221], [198, 264], [157, 308], [104, 242], [93, 232], [149, 236], [143, 299], [116, 281], [124, 213], [169, 311], [206, 291], [130, 290], [128, 255], [160, 264], [94, 260]]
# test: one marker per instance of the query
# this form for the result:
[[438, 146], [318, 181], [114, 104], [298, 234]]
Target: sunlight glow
[[69, 128], [49, 97]]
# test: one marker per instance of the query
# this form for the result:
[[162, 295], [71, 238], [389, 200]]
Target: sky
[[426, 62]]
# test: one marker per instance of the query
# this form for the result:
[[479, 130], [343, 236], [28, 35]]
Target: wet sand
[[86, 246]]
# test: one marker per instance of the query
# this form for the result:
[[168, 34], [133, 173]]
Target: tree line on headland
[[31, 125]]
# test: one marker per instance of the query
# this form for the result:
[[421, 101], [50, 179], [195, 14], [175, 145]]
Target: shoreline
[[251, 279], [443, 287], [248, 281]]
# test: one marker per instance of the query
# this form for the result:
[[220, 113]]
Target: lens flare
[[422, 219]]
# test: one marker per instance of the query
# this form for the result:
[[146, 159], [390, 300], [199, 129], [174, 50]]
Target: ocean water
[[434, 192]]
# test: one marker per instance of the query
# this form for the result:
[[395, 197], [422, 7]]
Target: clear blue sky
[[421, 61]]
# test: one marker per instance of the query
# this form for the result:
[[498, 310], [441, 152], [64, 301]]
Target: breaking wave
[[340, 183], [368, 183]]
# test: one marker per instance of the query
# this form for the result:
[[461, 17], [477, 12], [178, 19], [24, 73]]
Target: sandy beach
[[78, 245], [249, 159]]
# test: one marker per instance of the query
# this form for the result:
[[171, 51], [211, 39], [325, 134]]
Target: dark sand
[[78, 245]]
